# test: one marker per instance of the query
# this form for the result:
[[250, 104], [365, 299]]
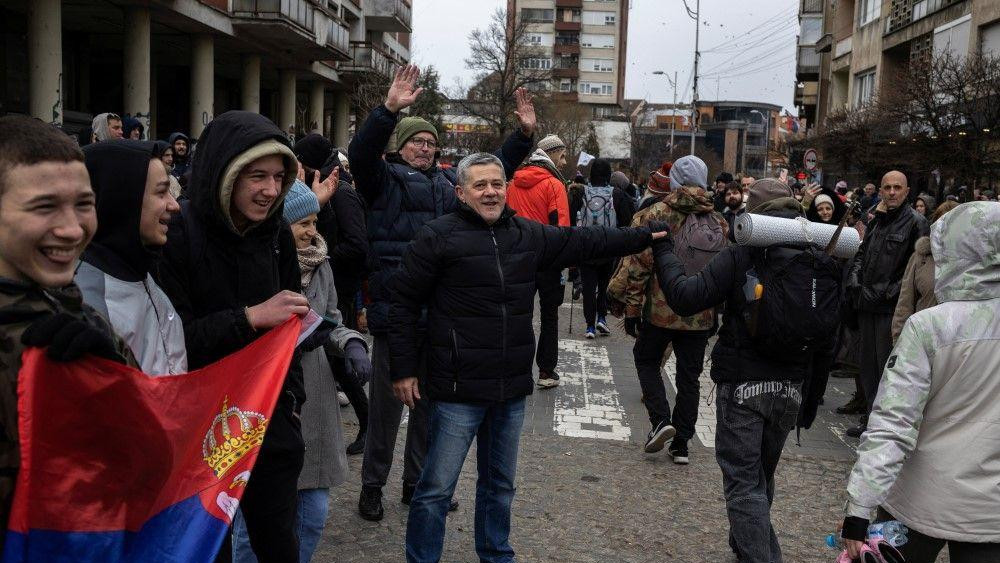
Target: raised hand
[[404, 91], [525, 112], [324, 190]]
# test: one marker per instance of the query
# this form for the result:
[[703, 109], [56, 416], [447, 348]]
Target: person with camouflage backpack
[[654, 324], [930, 456]]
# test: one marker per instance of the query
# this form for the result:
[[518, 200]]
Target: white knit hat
[[550, 143]]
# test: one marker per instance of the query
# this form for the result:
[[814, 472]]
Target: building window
[[593, 17], [597, 40], [596, 65], [868, 11], [603, 112], [565, 85], [536, 63], [864, 88], [597, 88], [989, 39], [539, 39], [537, 15]]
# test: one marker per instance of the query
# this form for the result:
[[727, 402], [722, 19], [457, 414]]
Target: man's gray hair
[[475, 159]]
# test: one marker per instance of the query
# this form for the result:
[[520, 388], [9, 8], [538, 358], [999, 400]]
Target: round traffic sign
[[810, 160]]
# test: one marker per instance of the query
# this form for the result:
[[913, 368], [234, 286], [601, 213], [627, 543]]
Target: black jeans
[[876, 345], [753, 420], [689, 349], [550, 297], [920, 548], [595, 278], [384, 415]]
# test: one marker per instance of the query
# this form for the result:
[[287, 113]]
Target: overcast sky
[[748, 46]]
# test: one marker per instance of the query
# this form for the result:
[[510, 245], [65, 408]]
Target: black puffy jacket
[[401, 199], [210, 272], [478, 284], [879, 265], [734, 359]]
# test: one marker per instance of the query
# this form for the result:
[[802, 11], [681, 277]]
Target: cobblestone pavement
[[587, 493]]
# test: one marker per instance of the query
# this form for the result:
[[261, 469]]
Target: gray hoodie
[[931, 455]]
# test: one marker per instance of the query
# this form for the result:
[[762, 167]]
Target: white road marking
[[588, 404]]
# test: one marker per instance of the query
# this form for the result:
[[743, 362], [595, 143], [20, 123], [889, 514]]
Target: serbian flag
[[117, 465]]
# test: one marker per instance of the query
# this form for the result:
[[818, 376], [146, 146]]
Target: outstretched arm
[[365, 151], [709, 288]]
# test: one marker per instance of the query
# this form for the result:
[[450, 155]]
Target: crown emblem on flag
[[232, 434]]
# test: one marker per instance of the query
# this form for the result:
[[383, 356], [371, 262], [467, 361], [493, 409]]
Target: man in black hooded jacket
[[403, 191], [757, 396], [231, 270]]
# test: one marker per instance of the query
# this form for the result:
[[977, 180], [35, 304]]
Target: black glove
[[854, 528], [663, 244], [357, 360], [658, 226], [69, 338], [632, 326]]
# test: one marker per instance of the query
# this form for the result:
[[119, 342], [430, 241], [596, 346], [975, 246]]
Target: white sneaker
[[342, 397], [590, 334]]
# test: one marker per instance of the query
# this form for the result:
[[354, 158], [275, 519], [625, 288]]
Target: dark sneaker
[[408, 496], [658, 436], [855, 406], [358, 445], [370, 503], [547, 379], [856, 431], [602, 328], [678, 450]]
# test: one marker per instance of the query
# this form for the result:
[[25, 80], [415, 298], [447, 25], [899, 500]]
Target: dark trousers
[[595, 278], [920, 548], [689, 349], [876, 344], [384, 415], [550, 297], [349, 384], [753, 420], [270, 502]]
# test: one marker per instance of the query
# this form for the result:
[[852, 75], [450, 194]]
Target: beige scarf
[[310, 258]]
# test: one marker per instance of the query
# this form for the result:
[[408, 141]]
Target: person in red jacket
[[538, 193]]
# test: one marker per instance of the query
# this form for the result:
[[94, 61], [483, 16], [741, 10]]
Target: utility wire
[[779, 18]]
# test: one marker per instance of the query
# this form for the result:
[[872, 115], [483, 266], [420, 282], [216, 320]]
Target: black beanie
[[724, 177], [313, 150]]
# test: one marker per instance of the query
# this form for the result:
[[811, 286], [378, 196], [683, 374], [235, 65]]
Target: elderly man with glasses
[[404, 189]]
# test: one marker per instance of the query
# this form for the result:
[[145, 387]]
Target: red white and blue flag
[[117, 465]]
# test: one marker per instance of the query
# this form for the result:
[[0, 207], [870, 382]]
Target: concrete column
[[341, 116], [286, 100], [45, 99], [316, 94], [251, 83], [138, 65], [202, 83]]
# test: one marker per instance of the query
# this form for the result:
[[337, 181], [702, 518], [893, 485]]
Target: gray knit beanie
[[300, 202], [550, 143], [689, 171]]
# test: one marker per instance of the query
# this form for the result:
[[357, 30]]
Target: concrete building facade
[[175, 64], [584, 43], [851, 50]]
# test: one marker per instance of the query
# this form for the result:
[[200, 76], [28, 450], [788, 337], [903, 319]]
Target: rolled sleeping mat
[[764, 230]]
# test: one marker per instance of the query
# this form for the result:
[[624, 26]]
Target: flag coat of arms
[[117, 465]]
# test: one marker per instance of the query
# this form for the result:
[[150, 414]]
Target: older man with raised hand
[[404, 190], [474, 271], [876, 279]]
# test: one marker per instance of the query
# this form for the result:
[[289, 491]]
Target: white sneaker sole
[[680, 459], [590, 336], [548, 383], [659, 439]]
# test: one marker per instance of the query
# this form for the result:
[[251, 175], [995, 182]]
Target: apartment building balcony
[[568, 26], [569, 3], [807, 63], [284, 25], [843, 47], [565, 96], [388, 15], [339, 40], [366, 57], [569, 72]]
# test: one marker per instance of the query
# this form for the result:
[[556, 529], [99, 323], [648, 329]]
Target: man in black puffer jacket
[[757, 396], [474, 271], [876, 278], [231, 270], [404, 191]]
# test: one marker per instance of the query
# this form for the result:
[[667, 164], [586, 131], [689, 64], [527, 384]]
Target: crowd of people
[[171, 255]]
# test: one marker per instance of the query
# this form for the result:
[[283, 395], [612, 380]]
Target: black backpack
[[794, 302]]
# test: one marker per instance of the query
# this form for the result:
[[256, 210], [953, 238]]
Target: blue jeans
[[497, 429], [313, 507]]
